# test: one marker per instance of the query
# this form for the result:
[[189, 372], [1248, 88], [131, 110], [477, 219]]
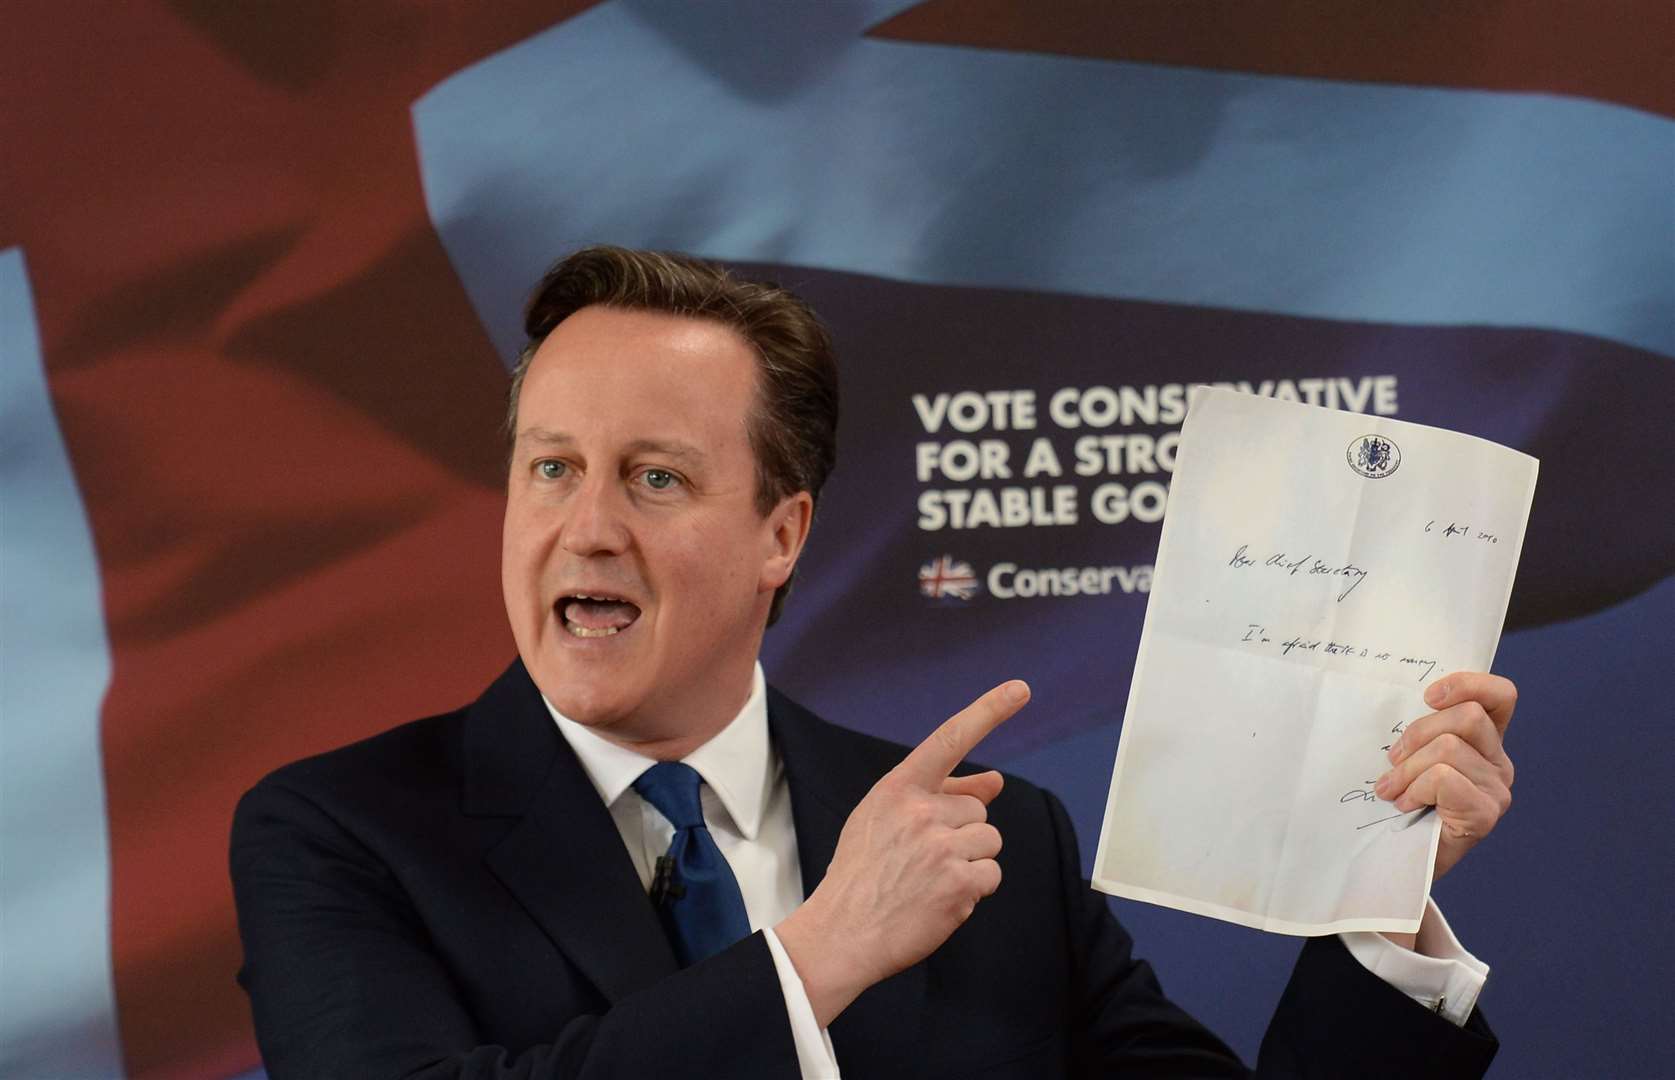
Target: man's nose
[[594, 520]]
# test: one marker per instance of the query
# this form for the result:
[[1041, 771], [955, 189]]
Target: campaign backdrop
[[261, 268]]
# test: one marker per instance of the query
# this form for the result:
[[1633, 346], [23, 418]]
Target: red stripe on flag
[[282, 414]]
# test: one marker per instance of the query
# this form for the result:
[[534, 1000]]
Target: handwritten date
[[1455, 530]]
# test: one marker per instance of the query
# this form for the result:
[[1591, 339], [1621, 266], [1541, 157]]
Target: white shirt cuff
[[816, 1059], [1438, 973]]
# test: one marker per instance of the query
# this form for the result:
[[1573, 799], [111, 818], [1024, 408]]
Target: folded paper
[[1317, 571]]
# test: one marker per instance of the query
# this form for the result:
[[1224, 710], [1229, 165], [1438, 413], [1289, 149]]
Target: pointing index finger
[[929, 763]]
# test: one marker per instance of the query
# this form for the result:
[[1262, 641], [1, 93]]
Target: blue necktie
[[696, 895]]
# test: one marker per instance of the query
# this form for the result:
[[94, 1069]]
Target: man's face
[[636, 569]]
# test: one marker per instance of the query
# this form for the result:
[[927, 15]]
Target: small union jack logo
[[946, 577]]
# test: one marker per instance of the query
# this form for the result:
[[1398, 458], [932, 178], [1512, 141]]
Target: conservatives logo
[[947, 577]]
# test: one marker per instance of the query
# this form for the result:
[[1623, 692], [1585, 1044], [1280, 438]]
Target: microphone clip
[[664, 887]]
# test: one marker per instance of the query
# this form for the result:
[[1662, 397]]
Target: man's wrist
[[816, 1057], [1436, 971], [1409, 942], [830, 976]]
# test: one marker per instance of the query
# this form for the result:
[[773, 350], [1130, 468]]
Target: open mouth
[[593, 616]]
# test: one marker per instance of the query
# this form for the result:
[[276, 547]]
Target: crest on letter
[[1373, 456]]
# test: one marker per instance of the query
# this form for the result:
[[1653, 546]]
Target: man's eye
[[660, 479], [549, 469]]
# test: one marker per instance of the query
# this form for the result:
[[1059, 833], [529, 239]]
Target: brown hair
[[793, 427]]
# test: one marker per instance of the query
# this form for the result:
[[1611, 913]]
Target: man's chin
[[591, 710], [580, 696]]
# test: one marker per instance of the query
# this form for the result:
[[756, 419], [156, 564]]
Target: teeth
[[588, 631]]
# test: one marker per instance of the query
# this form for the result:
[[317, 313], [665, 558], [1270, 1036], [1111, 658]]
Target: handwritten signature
[[1366, 793], [1307, 565]]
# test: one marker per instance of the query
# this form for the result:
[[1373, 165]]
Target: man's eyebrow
[[544, 435], [670, 448]]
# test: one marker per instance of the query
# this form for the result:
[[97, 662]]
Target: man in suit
[[468, 895]]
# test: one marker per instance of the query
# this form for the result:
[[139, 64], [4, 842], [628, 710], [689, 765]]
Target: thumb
[[984, 786]]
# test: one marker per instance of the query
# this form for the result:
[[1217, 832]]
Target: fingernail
[[1436, 694], [1016, 691], [1383, 785], [1395, 752]]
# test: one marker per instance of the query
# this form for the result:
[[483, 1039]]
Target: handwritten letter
[[1317, 571]]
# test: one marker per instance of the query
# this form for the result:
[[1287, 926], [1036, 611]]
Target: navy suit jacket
[[451, 898]]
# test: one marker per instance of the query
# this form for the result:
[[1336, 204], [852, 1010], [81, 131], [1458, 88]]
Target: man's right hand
[[912, 862]]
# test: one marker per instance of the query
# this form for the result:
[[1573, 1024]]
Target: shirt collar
[[738, 763]]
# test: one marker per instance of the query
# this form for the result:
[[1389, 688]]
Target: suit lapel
[[563, 859], [828, 776]]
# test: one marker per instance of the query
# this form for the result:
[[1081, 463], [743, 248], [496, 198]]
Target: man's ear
[[788, 525]]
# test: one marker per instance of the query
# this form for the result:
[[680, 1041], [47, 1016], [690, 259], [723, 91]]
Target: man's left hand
[[1454, 760]]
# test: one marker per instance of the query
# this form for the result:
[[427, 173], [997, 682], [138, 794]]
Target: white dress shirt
[[747, 807]]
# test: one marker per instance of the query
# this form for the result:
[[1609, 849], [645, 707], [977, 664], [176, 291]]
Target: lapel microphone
[[664, 887]]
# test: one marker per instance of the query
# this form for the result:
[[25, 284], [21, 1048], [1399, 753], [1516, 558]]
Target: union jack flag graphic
[[276, 592], [946, 577]]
